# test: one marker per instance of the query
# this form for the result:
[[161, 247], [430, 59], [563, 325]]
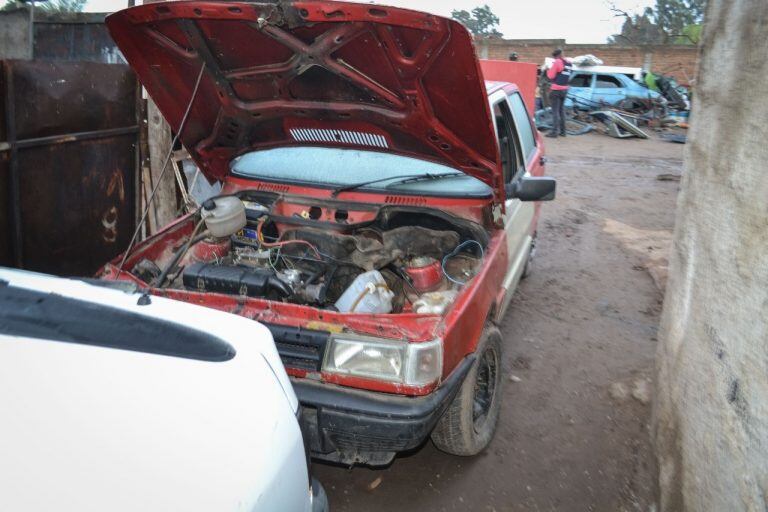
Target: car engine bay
[[400, 259]]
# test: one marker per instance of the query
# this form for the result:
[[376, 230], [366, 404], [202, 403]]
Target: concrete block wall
[[675, 60]]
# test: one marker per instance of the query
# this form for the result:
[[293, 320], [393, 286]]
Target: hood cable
[[162, 172]]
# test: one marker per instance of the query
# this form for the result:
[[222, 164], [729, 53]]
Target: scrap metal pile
[[622, 102]]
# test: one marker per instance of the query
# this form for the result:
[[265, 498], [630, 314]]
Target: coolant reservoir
[[434, 303], [224, 216], [368, 293]]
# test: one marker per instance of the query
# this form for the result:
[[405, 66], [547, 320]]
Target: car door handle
[[543, 160]]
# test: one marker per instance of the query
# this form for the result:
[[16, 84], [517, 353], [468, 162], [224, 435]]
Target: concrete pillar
[[711, 412], [648, 61], [483, 50]]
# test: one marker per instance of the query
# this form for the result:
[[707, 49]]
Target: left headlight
[[412, 364]]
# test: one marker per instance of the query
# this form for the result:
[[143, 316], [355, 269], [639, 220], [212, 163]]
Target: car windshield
[[337, 168]]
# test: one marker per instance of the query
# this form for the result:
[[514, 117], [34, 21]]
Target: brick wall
[[677, 61]]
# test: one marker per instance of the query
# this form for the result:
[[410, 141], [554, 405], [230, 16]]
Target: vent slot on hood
[[336, 136]]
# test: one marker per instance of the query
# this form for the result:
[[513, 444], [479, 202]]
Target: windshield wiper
[[408, 178]]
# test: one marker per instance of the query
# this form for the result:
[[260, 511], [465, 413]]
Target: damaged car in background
[[378, 208]]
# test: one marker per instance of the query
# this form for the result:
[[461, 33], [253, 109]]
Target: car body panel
[[418, 123], [519, 217], [88, 427], [459, 328], [302, 73], [604, 88]]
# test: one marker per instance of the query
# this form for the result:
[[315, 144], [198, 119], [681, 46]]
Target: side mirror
[[531, 188]]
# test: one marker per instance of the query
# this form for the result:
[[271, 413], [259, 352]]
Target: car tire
[[469, 423]]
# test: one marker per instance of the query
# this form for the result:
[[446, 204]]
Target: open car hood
[[313, 73]]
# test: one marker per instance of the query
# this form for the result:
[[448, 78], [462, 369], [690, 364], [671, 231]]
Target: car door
[[580, 90], [517, 155], [608, 90]]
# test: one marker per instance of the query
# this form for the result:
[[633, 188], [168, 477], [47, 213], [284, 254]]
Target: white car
[[114, 400]]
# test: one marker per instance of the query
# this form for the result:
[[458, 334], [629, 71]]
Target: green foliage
[[674, 15], [51, 6], [638, 29], [669, 21], [481, 21], [9, 5], [61, 6], [691, 35]]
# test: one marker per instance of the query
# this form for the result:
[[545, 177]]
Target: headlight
[[413, 364]]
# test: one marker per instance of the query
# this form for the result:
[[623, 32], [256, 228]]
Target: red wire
[[284, 242]]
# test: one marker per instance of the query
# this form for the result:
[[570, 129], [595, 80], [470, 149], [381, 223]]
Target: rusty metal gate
[[68, 164]]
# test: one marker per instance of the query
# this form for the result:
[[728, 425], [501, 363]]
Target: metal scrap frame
[[12, 145]]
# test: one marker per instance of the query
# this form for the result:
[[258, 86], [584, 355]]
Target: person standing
[[559, 74]]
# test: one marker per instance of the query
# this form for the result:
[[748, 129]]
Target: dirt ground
[[580, 338]]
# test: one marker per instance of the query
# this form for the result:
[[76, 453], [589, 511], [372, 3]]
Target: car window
[[337, 167], [607, 82], [523, 124], [581, 80], [508, 147]]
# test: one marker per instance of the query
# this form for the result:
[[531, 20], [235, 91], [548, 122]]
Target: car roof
[[491, 86], [609, 70]]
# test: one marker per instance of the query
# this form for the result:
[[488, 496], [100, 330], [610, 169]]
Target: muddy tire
[[468, 425]]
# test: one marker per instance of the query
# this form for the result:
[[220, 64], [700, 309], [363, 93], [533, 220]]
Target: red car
[[378, 207]]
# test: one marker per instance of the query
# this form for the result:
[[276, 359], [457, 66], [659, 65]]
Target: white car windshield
[[335, 168]]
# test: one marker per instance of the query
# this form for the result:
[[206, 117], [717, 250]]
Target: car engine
[[403, 260]]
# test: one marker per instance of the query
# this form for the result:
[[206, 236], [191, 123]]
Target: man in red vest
[[559, 74]]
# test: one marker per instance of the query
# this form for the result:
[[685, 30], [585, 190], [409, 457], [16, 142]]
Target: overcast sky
[[577, 21]]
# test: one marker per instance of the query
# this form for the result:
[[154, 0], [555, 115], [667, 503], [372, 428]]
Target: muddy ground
[[580, 340]]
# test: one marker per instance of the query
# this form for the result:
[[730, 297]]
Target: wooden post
[[164, 207]]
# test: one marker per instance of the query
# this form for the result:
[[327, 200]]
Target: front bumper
[[352, 426]]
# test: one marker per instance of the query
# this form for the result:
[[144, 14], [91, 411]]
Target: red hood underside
[[323, 73]]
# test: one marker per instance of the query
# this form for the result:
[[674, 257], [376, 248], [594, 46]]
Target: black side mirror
[[532, 188]]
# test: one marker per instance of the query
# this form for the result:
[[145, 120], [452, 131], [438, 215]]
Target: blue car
[[600, 86]]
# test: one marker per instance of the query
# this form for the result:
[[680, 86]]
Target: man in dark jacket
[[559, 74]]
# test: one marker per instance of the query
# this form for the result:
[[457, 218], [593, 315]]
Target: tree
[[711, 411], [51, 6], [481, 21], [61, 6], [638, 29], [672, 16], [669, 21]]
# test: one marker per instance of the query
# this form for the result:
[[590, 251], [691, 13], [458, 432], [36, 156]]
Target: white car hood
[[93, 428]]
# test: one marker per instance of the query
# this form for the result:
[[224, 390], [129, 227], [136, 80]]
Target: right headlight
[[412, 364]]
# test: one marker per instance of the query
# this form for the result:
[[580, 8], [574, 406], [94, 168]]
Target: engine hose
[[193, 239], [454, 253], [281, 286]]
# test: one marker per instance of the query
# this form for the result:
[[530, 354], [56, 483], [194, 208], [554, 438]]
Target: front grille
[[299, 348], [365, 442]]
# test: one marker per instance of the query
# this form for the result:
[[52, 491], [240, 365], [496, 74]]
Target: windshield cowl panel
[[289, 195]]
